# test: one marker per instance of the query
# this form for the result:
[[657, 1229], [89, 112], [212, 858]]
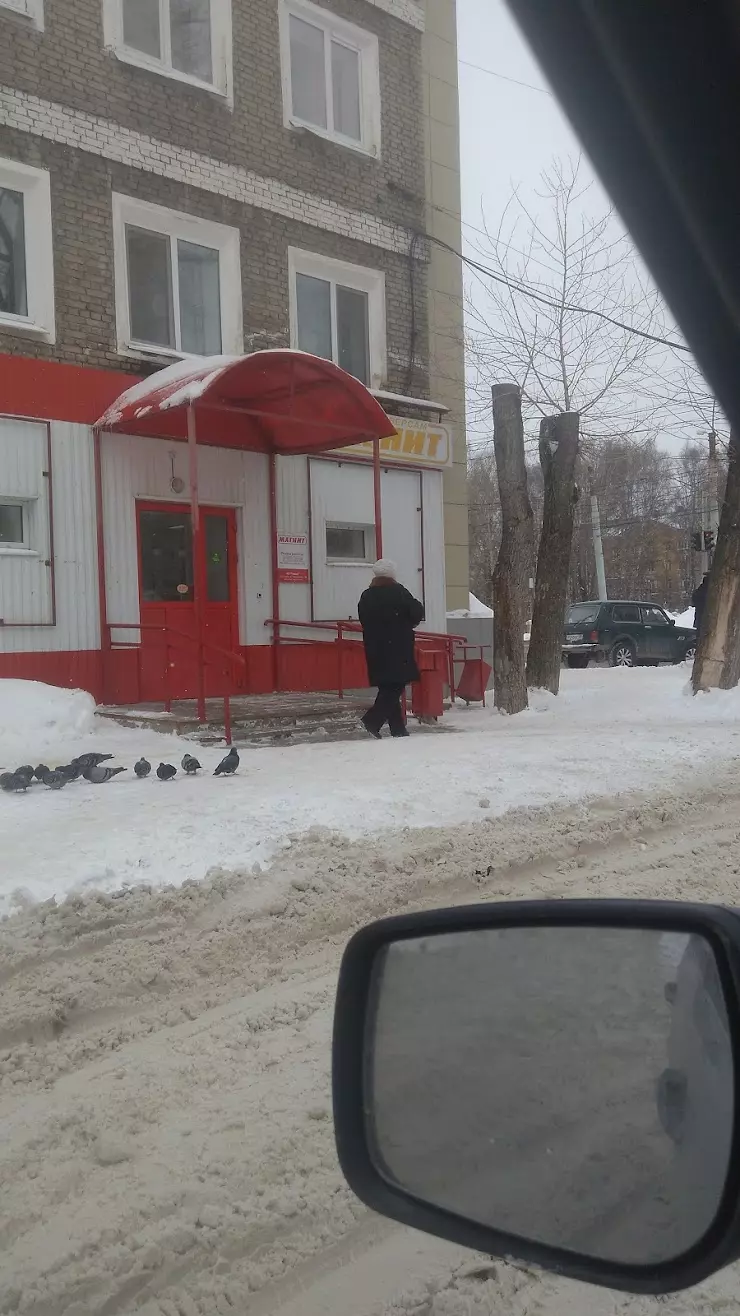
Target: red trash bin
[[427, 694]]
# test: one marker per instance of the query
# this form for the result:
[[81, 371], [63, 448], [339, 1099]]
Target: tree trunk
[[512, 566], [717, 663], [558, 453]]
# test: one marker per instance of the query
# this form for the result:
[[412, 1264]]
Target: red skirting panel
[[80, 670], [113, 676]]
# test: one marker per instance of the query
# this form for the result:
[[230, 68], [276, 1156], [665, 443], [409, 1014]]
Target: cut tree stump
[[558, 454], [512, 567]]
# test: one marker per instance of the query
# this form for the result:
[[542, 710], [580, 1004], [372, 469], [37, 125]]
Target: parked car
[[626, 634]]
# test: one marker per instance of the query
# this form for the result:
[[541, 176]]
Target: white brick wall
[[86, 132]]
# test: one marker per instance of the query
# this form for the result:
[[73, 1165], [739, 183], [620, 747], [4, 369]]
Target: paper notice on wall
[[293, 566]]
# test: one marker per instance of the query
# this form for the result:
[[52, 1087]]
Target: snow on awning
[[274, 401]]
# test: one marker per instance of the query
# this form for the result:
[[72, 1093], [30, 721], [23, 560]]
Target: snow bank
[[36, 719], [474, 609]]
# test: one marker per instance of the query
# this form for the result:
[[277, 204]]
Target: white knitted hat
[[384, 567]]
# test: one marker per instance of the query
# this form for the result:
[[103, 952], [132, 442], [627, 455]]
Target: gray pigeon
[[41, 771], [85, 761], [142, 768], [190, 765], [97, 774], [56, 780], [71, 771], [11, 781], [228, 765], [166, 771]]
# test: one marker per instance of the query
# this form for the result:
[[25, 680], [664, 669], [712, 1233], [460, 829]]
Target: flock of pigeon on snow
[[92, 768]]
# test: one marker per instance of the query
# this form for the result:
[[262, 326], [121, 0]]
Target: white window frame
[[221, 47], [361, 279], [347, 34], [369, 533], [35, 185], [188, 228], [33, 10], [24, 547]]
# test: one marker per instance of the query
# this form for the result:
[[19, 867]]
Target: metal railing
[[454, 648], [191, 640]]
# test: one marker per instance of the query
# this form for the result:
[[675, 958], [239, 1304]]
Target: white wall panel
[[342, 492], [142, 469], [293, 519], [25, 583]]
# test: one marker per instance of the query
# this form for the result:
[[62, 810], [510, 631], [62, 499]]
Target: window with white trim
[[347, 543], [178, 282], [189, 40], [26, 256], [337, 311], [331, 80], [13, 523], [33, 10]]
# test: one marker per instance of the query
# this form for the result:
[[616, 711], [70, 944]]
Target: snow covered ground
[[608, 731], [167, 1144]]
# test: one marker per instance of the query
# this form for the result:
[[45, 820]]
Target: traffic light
[[708, 541], [696, 543]]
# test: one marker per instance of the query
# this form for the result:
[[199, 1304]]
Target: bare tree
[[563, 309]]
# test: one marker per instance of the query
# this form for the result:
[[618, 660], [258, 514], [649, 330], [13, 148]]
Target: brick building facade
[[200, 176]]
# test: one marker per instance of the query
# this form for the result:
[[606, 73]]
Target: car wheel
[[690, 654], [577, 660], [623, 654]]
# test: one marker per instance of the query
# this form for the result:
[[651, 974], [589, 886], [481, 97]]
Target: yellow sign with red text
[[415, 443]]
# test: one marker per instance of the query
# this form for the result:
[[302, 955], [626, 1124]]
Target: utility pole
[[713, 486], [598, 549]]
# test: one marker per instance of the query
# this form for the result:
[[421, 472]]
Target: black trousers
[[387, 708]]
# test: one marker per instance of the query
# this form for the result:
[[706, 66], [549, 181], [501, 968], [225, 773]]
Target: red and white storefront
[[170, 539]]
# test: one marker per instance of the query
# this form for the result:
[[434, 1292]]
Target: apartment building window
[[26, 258], [338, 312], [185, 39], [178, 282], [331, 82], [33, 10]]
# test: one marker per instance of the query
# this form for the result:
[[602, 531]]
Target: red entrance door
[[169, 650]]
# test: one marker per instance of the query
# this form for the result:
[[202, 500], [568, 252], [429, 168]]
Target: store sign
[[415, 443], [293, 560]]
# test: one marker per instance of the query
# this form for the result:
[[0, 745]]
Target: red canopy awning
[[278, 401]]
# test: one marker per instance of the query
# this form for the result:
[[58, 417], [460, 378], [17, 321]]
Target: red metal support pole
[[199, 563], [227, 719], [275, 581], [378, 499], [340, 664]]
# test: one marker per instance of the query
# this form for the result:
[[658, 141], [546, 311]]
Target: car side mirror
[[551, 1081], [671, 621]]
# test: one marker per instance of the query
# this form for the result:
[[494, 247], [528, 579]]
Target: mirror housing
[[513, 1078]]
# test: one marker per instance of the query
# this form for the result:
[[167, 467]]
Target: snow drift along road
[[167, 1145]]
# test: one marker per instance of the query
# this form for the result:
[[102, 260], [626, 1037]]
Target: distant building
[[218, 178]]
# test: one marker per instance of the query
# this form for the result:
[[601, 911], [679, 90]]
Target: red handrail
[[230, 654], [435, 640]]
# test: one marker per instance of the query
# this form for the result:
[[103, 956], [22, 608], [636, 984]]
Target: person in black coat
[[699, 601], [389, 614]]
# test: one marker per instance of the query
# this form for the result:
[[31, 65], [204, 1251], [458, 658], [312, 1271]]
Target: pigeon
[[24, 774], [228, 765], [190, 765], [166, 772], [41, 771], [56, 780], [70, 771], [97, 774], [85, 761], [142, 768], [10, 781]]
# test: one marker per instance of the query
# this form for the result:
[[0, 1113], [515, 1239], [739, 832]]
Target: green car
[[627, 634]]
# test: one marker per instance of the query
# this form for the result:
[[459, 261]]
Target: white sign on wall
[[293, 560]]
